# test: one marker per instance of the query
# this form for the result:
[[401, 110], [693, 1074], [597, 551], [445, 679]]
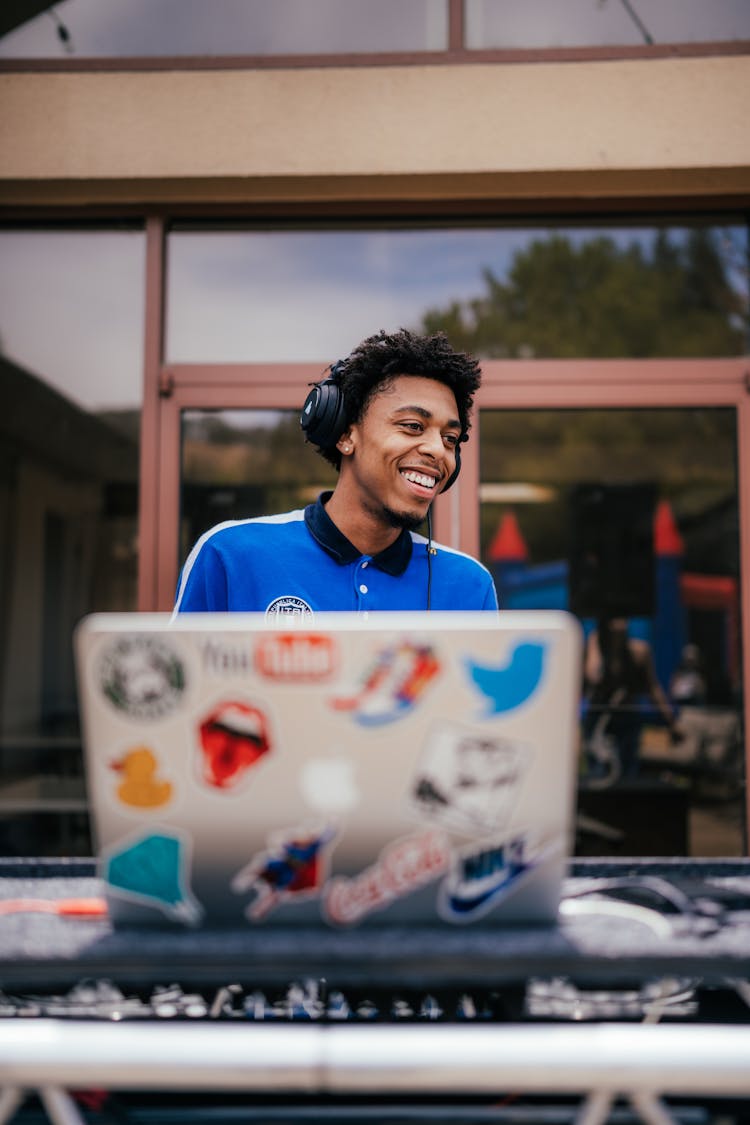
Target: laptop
[[341, 771]]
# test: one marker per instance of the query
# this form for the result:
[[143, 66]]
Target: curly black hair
[[381, 358]]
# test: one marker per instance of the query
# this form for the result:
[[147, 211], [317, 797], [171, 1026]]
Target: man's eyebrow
[[452, 423]]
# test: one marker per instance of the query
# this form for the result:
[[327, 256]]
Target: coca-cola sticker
[[402, 867]]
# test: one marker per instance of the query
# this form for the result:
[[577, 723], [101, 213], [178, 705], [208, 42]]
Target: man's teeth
[[420, 478]]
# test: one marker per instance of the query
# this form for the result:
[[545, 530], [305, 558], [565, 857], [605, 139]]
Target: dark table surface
[[703, 932]]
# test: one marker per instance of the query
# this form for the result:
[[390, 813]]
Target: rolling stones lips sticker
[[152, 870], [469, 781], [141, 676], [392, 686], [509, 685], [294, 867], [403, 867], [141, 785], [233, 738]]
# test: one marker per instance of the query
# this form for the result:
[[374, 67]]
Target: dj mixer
[[634, 1007]]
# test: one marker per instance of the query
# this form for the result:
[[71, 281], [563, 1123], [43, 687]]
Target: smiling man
[[391, 419]]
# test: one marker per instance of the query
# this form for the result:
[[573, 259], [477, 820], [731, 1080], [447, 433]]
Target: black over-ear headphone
[[323, 416], [324, 420]]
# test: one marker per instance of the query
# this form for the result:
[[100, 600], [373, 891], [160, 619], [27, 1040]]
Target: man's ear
[[345, 444]]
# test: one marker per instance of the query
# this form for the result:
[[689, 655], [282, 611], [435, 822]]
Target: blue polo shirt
[[300, 563]]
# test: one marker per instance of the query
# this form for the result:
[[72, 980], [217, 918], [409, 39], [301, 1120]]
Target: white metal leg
[[10, 1099], [60, 1107]]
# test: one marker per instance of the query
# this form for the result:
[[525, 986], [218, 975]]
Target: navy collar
[[393, 560]]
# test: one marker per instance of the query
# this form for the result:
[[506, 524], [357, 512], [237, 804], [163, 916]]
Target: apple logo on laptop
[[329, 784]]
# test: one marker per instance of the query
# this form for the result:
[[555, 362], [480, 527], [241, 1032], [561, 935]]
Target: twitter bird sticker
[[509, 685]]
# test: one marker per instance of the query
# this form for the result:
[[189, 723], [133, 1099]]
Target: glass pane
[[71, 332], [595, 23], [138, 28], [629, 518], [262, 296], [237, 464]]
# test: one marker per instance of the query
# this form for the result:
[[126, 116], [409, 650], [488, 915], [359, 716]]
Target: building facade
[[189, 240]]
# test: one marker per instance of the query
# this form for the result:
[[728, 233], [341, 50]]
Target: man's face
[[403, 450]]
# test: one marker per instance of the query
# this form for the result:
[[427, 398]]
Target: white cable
[[660, 925]]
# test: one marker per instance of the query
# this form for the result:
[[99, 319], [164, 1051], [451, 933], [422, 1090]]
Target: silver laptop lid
[[413, 768]]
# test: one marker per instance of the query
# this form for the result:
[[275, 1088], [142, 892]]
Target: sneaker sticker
[[392, 686]]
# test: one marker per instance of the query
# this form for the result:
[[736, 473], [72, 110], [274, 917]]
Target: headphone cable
[[430, 552]]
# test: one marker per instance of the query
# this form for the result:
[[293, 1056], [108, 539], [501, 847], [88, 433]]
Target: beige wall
[[595, 129]]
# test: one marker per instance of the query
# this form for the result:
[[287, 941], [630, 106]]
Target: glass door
[[629, 518], [605, 502], [236, 464]]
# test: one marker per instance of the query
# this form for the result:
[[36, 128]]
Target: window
[[85, 29], [122, 28], [310, 295], [237, 464], [599, 23], [71, 328]]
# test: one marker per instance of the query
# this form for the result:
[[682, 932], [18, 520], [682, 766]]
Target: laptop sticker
[[329, 784], [401, 868], [392, 685], [481, 878], [141, 784], [469, 780], [296, 657], [234, 736], [294, 866], [510, 684], [142, 676], [153, 871]]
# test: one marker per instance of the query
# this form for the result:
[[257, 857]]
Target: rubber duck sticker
[[152, 871], [294, 867], [234, 737], [140, 785], [510, 684], [468, 780], [392, 686]]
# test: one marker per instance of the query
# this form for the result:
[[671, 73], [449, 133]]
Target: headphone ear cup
[[323, 418], [451, 479]]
